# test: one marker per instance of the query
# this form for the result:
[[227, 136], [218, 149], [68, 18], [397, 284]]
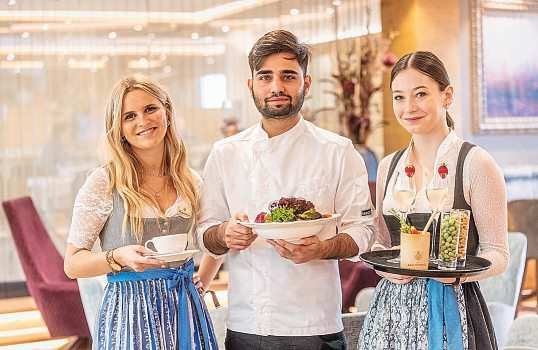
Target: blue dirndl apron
[[156, 309]]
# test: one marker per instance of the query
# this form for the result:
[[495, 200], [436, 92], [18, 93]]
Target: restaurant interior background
[[59, 60]]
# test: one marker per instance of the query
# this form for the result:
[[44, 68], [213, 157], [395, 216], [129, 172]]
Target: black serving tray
[[378, 260]]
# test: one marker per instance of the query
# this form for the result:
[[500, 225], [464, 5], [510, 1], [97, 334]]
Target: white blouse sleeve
[[485, 191], [382, 239], [92, 208]]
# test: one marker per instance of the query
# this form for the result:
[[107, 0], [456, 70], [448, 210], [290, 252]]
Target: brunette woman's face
[[418, 103]]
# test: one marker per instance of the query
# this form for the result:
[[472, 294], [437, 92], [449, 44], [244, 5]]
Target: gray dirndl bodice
[[111, 236]]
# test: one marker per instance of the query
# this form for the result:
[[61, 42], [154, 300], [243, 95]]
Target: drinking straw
[[433, 216]]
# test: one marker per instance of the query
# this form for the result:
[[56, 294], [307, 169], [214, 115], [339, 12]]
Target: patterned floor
[[22, 328]]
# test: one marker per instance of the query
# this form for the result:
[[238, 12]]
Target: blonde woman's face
[[143, 120], [418, 104]]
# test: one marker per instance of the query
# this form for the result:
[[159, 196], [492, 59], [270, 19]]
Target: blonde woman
[[145, 190]]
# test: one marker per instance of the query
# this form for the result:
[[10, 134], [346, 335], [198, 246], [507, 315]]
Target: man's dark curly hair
[[275, 42]]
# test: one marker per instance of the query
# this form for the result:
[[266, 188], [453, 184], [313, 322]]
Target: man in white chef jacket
[[284, 295]]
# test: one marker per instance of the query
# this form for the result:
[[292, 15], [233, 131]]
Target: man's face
[[279, 86]]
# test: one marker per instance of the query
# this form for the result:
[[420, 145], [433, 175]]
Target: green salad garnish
[[282, 214]]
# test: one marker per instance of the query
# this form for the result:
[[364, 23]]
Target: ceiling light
[[92, 65], [195, 36], [10, 57], [144, 63], [225, 29], [121, 46], [294, 12], [12, 2], [25, 35], [21, 27], [227, 9], [45, 27], [112, 35], [337, 2], [141, 63], [22, 65], [138, 27]]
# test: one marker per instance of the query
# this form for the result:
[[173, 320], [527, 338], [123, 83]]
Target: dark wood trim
[[13, 289]]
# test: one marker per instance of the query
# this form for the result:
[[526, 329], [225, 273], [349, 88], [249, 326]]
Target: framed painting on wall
[[504, 65]]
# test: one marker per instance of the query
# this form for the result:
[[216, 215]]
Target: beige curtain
[[59, 60]]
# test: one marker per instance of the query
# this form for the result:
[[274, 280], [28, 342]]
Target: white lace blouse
[[484, 190], [94, 204]]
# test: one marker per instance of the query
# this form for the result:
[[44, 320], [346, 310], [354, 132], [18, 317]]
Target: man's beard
[[288, 110]]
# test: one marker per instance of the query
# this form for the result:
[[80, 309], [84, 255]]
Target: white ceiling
[[172, 27]]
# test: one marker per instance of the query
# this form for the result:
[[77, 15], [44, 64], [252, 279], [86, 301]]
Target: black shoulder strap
[[392, 166], [459, 197]]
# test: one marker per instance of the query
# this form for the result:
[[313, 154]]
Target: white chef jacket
[[268, 294]]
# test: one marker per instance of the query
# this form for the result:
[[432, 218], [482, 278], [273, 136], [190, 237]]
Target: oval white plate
[[290, 230]]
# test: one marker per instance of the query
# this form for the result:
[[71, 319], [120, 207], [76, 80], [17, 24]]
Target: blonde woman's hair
[[125, 170]]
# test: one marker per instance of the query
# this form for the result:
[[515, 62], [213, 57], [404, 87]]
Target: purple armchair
[[56, 296]]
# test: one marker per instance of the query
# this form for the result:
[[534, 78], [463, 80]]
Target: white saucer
[[175, 256]]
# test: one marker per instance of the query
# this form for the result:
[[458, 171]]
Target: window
[[213, 90]]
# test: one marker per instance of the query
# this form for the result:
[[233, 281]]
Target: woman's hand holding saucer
[[137, 257]]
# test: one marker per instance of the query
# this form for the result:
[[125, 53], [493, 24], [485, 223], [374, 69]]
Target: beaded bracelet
[[114, 259], [109, 257]]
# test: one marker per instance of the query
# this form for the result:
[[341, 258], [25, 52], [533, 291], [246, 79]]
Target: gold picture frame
[[501, 76]]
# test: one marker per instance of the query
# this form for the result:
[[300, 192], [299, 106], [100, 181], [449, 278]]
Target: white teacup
[[169, 243]]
